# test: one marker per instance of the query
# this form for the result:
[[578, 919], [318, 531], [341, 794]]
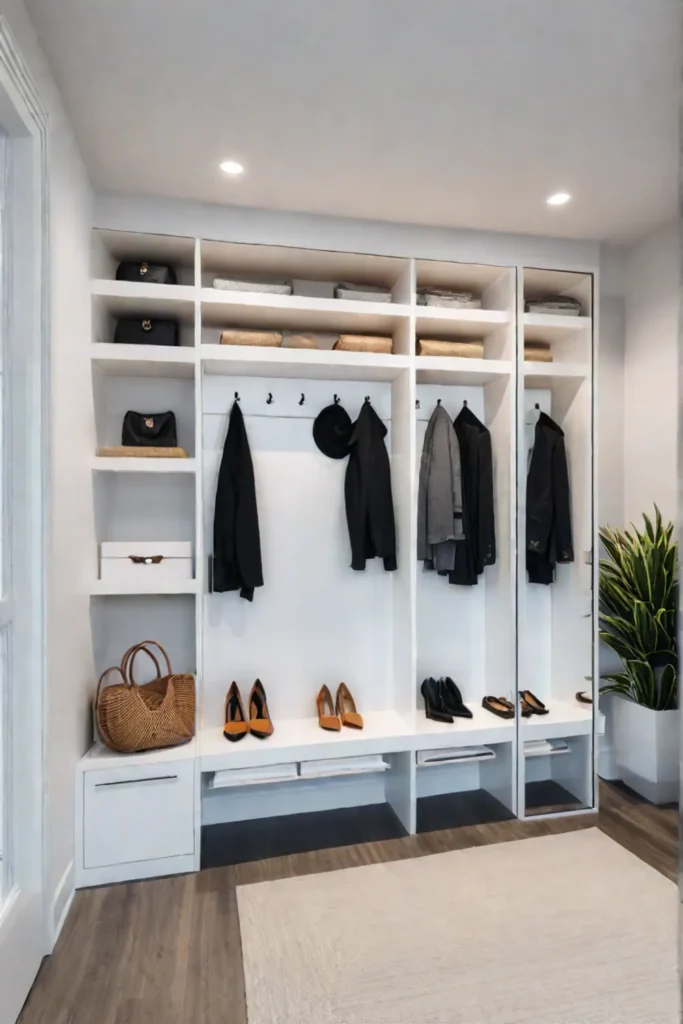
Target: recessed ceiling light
[[232, 167], [558, 199]]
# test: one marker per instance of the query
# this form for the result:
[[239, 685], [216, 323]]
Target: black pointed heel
[[434, 708]]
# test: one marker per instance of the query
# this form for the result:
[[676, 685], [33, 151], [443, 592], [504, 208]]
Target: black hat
[[332, 431]]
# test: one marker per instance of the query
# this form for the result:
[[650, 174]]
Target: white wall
[[71, 543], [610, 386], [651, 375]]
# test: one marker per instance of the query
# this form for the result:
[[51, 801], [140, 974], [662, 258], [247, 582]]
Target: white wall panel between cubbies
[[315, 621]]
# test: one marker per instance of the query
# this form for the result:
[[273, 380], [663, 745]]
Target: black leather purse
[[140, 331], [150, 273], [149, 430]]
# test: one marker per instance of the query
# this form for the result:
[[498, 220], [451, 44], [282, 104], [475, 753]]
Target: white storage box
[[139, 561]]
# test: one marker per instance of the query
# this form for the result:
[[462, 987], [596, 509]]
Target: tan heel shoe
[[346, 708], [236, 725], [326, 716], [260, 724]]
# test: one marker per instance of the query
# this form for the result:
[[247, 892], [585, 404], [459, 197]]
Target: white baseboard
[[61, 903]]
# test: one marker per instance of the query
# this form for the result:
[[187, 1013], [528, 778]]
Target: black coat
[[367, 489], [548, 516], [236, 539], [478, 549]]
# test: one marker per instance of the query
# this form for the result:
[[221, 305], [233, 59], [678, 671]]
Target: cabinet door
[[138, 814]]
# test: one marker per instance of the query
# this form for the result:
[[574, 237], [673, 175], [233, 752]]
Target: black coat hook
[[417, 403], [464, 401], [302, 399], [438, 401], [237, 396], [367, 399], [537, 406], [336, 399], [269, 399]]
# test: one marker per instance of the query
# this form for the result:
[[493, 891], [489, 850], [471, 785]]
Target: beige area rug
[[565, 929]]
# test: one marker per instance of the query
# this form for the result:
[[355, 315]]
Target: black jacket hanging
[[236, 539], [548, 516], [367, 489], [478, 549]]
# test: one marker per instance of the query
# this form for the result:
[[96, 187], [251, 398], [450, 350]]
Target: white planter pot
[[646, 745]]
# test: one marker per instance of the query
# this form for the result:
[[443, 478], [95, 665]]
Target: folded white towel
[[343, 765], [227, 285], [246, 776], [449, 755]]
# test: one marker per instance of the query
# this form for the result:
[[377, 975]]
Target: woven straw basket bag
[[132, 717]]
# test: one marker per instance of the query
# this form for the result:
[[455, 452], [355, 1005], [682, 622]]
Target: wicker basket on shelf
[[363, 343], [132, 717]]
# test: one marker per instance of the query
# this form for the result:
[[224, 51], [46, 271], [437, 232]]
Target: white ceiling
[[453, 112]]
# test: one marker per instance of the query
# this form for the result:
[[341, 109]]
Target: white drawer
[[138, 814], [116, 565]]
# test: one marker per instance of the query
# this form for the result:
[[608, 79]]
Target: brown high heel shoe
[[236, 725], [260, 724], [346, 708], [326, 716]]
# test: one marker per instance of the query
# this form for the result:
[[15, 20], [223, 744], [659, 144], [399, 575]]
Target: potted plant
[[638, 619]]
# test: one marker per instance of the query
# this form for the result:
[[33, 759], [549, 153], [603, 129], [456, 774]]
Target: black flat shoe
[[583, 697], [498, 706], [434, 706], [537, 706], [452, 699]]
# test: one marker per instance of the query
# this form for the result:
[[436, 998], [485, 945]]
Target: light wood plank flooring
[[168, 951]]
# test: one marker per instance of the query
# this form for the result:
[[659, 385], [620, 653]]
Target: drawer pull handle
[[134, 782], [146, 559]]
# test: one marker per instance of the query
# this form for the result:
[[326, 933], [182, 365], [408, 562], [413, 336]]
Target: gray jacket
[[439, 508]]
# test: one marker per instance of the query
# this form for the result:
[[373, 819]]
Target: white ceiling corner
[[464, 113]]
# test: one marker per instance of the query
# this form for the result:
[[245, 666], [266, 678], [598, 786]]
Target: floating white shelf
[[142, 465], [465, 323], [299, 312], [564, 719], [302, 739], [457, 370], [543, 374], [130, 298], [102, 588], [483, 729], [548, 327], [144, 360], [316, 364], [99, 758]]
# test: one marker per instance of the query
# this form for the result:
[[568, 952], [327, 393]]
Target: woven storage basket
[[126, 451], [234, 337], [462, 349], [538, 351], [131, 718], [362, 343]]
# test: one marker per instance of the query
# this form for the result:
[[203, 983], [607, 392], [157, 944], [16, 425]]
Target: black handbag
[[149, 430], [142, 331], [150, 273]]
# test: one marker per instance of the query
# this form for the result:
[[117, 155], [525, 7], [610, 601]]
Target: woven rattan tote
[[132, 717]]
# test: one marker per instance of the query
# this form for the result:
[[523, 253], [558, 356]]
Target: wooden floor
[[168, 951]]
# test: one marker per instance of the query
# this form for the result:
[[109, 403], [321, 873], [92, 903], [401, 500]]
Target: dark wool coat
[[236, 539], [548, 516], [478, 549], [367, 489]]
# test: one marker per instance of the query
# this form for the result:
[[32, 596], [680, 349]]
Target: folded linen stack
[[362, 292], [557, 305], [447, 299], [268, 288], [540, 748], [453, 755], [460, 348], [251, 776], [363, 343], [343, 766], [538, 351], [271, 339]]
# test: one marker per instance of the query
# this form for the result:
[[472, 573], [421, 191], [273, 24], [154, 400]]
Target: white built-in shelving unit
[[316, 621]]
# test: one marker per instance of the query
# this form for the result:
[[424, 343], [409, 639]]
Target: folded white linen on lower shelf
[[537, 748], [449, 755], [244, 776], [340, 765]]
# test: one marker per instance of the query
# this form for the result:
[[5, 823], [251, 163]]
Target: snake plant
[[638, 601]]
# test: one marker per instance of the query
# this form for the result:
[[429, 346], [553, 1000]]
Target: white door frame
[[23, 924]]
